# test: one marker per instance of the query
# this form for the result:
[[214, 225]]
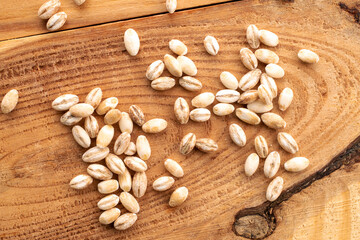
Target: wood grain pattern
[[39, 157], [332, 214], [19, 18], [261, 221]]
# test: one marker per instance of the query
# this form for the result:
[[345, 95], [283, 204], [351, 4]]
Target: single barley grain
[[181, 110], [143, 148], [106, 105], [105, 136], [178, 196], [95, 154], [251, 164], [94, 97], [287, 142], [91, 126], [203, 100], [108, 186], [115, 164], [125, 123], [125, 181], [268, 38], [135, 164], [229, 80], [163, 183], [139, 184], [155, 70], [237, 135], [261, 146], [274, 189], [266, 56], [129, 202], [272, 164], [260, 107], [274, 70], [187, 143], [125, 221], [206, 145], [285, 98], [189, 83], [122, 143], [178, 47], [108, 202], [81, 136], [248, 96], [111, 117], [174, 168], [65, 102], [137, 115], [56, 21], [211, 45], [109, 216], [9, 101], [155, 125], [296, 164], [187, 65], [248, 58], [81, 181], [253, 36], [99, 172], [308, 56], [132, 42], [272, 120], [81, 110], [48, 9], [173, 65], [247, 116], [200, 115]]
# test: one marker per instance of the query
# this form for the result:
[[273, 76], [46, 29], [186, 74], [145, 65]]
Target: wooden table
[[39, 156]]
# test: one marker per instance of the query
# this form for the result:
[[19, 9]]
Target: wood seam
[[122, 20]]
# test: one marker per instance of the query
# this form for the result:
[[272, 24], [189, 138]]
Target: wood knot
[[255, 223], [252, 226]]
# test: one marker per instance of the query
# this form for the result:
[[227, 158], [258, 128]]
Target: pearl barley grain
[[308, 56], [211, 45], [274, 70], [132, 42], [9, 101]]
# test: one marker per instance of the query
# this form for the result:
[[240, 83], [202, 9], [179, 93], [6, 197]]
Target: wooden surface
[[39, 156], [332, 213], [19, 18]]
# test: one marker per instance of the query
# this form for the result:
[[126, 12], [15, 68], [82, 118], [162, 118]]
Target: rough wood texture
[[19, 18], [39, 156], [261, 221], [332, 212]]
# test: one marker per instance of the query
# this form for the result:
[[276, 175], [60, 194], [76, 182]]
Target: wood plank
[[38, 155], [19, 18]]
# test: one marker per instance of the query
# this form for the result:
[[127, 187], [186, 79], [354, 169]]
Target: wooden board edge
[[182, 7]]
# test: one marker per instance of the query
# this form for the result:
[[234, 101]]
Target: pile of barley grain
[[114, 164], [258, 101]]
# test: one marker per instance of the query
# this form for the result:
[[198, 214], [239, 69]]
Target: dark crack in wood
[[259, 222], [353, 11]]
